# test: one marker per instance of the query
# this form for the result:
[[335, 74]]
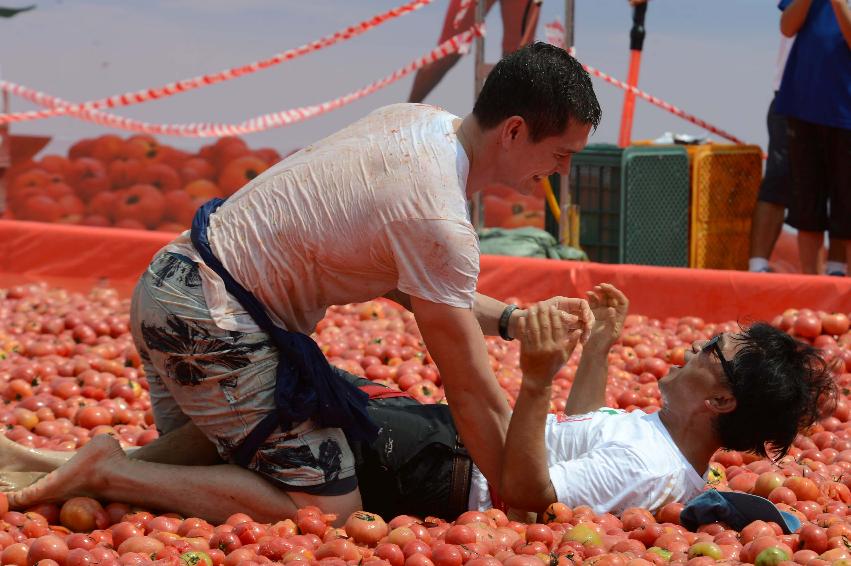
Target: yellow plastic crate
[[724, 185]]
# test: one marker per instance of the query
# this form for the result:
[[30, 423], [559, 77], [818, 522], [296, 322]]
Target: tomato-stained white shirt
[[377, 206], [610, 460]]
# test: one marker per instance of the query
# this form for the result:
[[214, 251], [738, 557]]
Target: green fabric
[[526, 242], [9, 12]]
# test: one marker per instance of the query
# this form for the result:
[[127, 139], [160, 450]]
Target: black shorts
[[417, 466], [776, 185], [820, 165]]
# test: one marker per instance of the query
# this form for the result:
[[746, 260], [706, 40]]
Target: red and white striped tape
[[664, 105], [555, 35], [457, 44], [462, 12], [170, 89]]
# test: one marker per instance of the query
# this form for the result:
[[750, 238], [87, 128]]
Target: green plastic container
[[633, 203], [595, 185], [655, 206]]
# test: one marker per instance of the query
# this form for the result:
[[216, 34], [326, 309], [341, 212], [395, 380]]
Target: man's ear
[[513, 129], [721, 403]]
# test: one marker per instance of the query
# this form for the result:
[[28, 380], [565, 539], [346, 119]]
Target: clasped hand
[[547, 338]]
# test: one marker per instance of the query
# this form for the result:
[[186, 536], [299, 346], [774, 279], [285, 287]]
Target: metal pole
[[477, 212], [568, 23], [480, 49], [564, 180]]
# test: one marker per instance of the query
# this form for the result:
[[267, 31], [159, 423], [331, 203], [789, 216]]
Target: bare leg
[[512, 12], [767, 224], [427, 78], [185, 446], [16, 457], [15, 481], [101, 469], [837, 251], [809, 246]]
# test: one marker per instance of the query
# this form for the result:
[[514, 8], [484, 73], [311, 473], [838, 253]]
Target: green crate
[[633, 203], [595, 185], [654, 209]]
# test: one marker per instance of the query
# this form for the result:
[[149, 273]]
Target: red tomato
[[82, 514], [391, 553], [141, 544], [48, 547], [366, 528]]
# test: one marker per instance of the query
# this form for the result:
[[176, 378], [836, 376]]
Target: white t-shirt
[[377, 206], [610, 460]]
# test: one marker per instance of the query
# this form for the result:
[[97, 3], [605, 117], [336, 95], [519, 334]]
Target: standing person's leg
[[836, 258], [513, 13], [809, 191], [225, 381], [429, 76], [840, 195], [773, 198]]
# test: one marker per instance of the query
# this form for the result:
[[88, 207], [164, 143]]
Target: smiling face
[[701, 384], [523, 163]]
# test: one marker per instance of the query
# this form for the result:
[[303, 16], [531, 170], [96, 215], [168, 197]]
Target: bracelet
[[503, 322]]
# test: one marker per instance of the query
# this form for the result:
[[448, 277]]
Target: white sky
[[712, 58]]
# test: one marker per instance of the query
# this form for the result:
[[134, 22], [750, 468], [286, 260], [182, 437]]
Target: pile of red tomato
[[136, 182], [68, 371]]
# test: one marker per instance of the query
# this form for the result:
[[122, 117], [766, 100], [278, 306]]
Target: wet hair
[[542, 84], [781, 386]]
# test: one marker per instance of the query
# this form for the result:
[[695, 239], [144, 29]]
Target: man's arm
[[479, 408], [794, 17], [588, 392], [546, 345], [843, 17], [488, 311]]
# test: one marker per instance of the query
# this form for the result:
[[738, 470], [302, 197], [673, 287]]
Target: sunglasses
[[713, 346]]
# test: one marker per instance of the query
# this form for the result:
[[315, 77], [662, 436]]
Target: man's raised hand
[[609, 306], [547, 338]]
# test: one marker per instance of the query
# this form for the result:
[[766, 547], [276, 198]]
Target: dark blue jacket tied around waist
[[306, 386]]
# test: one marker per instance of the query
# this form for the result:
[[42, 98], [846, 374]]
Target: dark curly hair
[[544, 85], [781, 386]]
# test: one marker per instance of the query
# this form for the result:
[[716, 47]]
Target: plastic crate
[[725, 183], [595, 185], [655, 206]]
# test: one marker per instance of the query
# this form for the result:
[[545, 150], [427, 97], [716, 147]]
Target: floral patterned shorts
[[224, 382]]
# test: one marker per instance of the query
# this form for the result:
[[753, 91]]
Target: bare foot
[[15, 481], [82, 475], [16, 457]]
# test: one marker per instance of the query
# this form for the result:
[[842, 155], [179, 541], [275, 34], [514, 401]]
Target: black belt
[[459, 486]]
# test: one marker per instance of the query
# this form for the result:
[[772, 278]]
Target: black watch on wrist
[[503, 322]]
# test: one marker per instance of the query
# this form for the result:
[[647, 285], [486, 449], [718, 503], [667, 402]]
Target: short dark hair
[[544, 85], [781, 386]]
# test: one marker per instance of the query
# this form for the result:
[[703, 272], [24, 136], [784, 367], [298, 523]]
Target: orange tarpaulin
[[74, 256]]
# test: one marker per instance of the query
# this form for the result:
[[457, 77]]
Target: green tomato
[[195, 558], [583, 534], [771, 556], [664, 553], [709, 549]]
